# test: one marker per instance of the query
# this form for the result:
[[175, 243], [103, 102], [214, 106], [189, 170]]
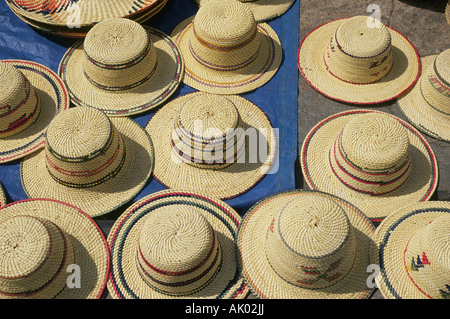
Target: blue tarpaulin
[[278, 98]]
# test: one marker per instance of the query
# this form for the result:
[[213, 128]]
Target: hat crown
[[442, 66], [310, 242], [178, 251], [83, 148], [19, 102], [427, 258]]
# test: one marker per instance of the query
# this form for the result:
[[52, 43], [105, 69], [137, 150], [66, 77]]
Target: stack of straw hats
[[73, 19]]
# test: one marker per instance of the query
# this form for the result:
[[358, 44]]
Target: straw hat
[[3, 199], [214, 144], [54, 238], [358, 60], [225, 51], [427, 104], [372, 159], [264, 10], [62, 12], [447, 12], [122, 68], [175, 244], [412, 249], [30, 96], [90, 161], [305, 245]]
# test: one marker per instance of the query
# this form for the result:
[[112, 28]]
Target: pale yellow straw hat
[[45, 244], [372, 159], [30, 96], [91, 161], [175, 244], [225, 51], [358, 60], [411, 247], [305, 245], [447, 12], [427, 104], [214, 144], [263, 10], [3, 199], [122, 68]]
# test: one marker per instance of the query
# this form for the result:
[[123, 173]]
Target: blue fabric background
[[278, 98]]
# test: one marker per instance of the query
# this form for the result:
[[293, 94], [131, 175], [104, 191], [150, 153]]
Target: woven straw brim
[[404, 73], [125, 281], [421, 114], [265, 10], [224, 183], [265, 283], [150, 94], [447, 12], [258, 73], [80, 32], [91, 12], [2, 196], [53, 98], [107, 196], [89, 243], [319, 175], [390, 240]]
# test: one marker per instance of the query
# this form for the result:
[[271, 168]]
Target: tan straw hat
[[30, 96], [412, 250], [447, 12], [3, 199], [305, 245], [427, 104], [50, 249], [122, 68], [372, 159], [175, 244], [214, 144], [358, 60], [91, 161], [263, 10], [225, 51]]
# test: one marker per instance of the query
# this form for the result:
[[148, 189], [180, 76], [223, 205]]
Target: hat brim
[[319, 175], [107, 196], [125, 280], [224, 183], [390, 240], [404, 73], [89, 243], [53, 98], [2, 196], [150, 94], [421, 114], [265, 283], [447, 12], [258, 73], [265, 10]]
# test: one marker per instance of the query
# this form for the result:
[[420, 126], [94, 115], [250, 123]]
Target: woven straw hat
[[427, 104], [412, 249], [90, 161], [263, 10], [122, 68], [214, 144], [62, 12], [447, 12], [305, 245], [30, 96], [54, 238], [3, 199], [372, 159], [225, 51], [175, 244], [353, 60]]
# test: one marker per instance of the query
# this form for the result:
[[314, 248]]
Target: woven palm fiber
[[411, 247], [305, 245], [175, 244], [51, 236], [32, 95], [225, 51], [372, 159], [427, 104], [350, 60], [90, 161]]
